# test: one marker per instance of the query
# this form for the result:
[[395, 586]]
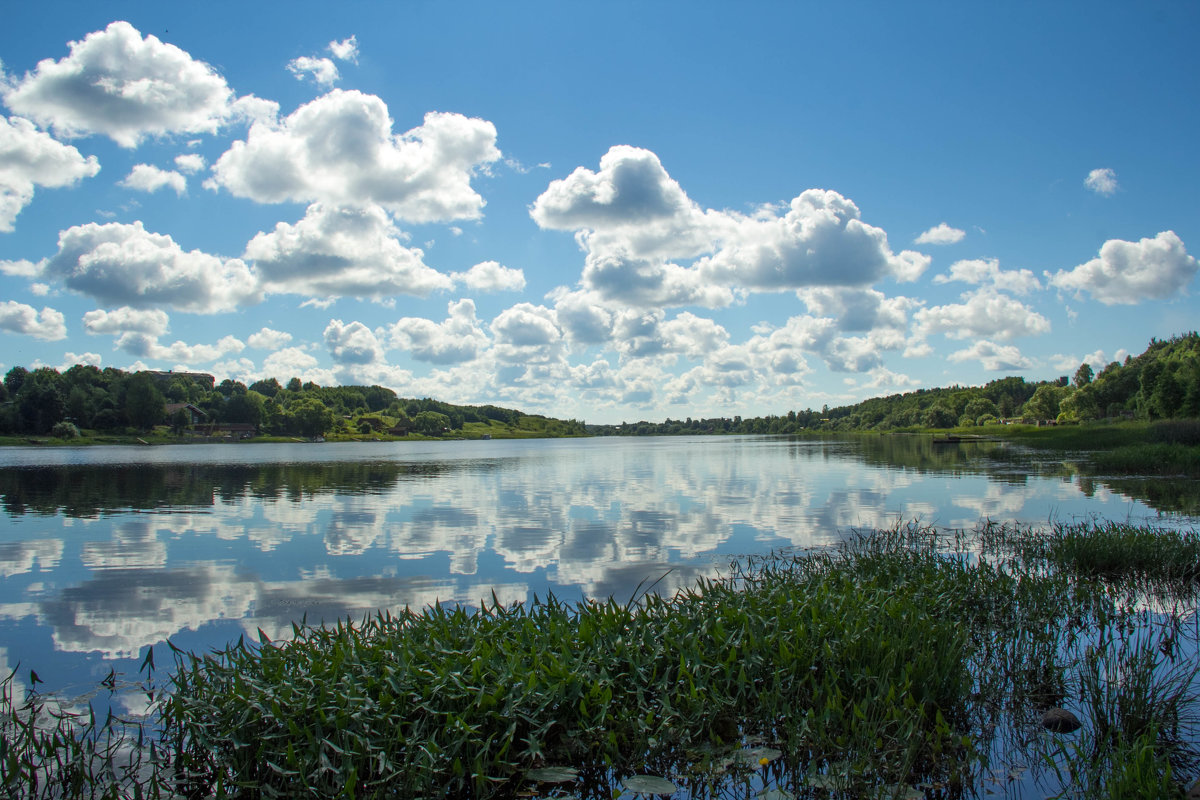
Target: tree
[[311, 417], [267, 388], [431, 423], [293, 385], [13, 380], [1045, 401], [1083, 375], [244, 407], [144, 403], [40, 402], [938, 415]]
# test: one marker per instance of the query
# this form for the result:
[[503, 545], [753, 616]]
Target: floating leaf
[[776, 794], [553, 775], [650, 784], [754, 756]]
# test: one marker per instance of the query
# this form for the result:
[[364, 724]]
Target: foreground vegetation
[[907, 663]]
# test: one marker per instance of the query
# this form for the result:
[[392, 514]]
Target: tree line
[[1161, 383], [43, 401]]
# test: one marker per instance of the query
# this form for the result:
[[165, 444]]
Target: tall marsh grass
[[905, 663]]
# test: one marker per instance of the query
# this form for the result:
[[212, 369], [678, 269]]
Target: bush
[[64, 430]]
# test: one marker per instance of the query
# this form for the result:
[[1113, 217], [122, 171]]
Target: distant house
[[196, 416]]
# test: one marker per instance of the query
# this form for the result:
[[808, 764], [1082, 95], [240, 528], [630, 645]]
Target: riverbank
[[906, 661]]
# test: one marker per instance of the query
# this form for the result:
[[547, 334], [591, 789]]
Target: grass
[[906, 663]]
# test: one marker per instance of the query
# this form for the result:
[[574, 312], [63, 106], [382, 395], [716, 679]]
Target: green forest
[[88, 400], [1161, 383]]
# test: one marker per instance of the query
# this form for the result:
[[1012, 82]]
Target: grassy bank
[[908, 663]]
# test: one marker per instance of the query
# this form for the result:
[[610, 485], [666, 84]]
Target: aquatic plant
[[904, 663]]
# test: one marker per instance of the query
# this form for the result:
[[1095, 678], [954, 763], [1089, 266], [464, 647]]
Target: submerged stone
[[1059, 720]]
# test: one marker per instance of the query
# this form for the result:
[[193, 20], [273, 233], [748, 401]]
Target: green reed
[[906, 662]]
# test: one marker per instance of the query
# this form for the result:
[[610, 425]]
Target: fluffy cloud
[[352, 344], [987, 272], [985, 312], [345, 50], [458, 338], [323, 71], [636, 225], [618, 278], [117, 83], [126, 265], [941, 234], [340, 150], [819, 241], [342, 251], [632, 198], [1129, 272], [858, 309], [268, 339], [48, 325], [152, 322], [992, 356], [30, 158], [582, 316], [294, 362], [147, 178], [1102, 181], [191, 163], [527, 334], [490, 276], [143, 345]]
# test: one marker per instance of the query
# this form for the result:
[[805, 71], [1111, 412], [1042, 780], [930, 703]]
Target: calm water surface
[[105, 551]]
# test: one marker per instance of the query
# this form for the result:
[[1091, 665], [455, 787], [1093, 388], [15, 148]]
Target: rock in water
[[1059, 720]]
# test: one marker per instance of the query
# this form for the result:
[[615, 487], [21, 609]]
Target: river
[[105, 551]]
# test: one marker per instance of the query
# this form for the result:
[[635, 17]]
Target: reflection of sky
[[451, 522]]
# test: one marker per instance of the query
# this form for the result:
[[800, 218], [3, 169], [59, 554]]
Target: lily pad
[[776, 794], [650, 784], [552, 775], [754, 756]]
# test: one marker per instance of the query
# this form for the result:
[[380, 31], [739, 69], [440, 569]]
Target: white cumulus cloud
[[985, 313], [323, 71], [268, 339], [986, 271], [1126, 273], [48, 324], [345, 50], [1102, 181], [342, 251], [191, 163], [116, 83], [150, 321], [490, 276], [144, 345], [352, 343], [148, 178], [126, 265], [649, 245], [29, 158], [941, 234], [458, 338], [993, 357], [340, 150]]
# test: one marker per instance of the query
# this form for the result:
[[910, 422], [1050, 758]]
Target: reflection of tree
[[91, 490]]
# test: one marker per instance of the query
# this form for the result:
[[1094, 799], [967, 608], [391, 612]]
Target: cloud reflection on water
[[202, 544]]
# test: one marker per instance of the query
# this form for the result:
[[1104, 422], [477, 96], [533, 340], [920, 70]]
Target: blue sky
[[607, 211]]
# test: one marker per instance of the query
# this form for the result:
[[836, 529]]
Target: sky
[[602, 211]]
